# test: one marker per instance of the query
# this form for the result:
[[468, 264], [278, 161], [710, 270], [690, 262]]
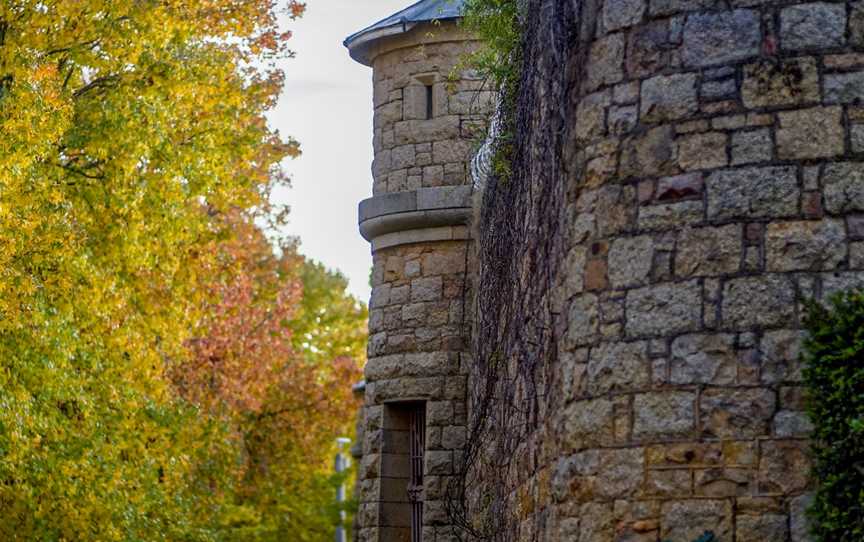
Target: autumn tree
[[131, 130], [278, 350]]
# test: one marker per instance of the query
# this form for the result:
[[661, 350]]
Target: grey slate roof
[[422, 11]]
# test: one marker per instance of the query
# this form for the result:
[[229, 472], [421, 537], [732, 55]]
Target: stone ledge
[[422, 209]]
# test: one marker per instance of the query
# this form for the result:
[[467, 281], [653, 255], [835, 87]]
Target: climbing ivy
[[499, 60], [496, 23], [834, 374], [519, 247]]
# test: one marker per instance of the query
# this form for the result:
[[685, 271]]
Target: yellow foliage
[[128, 128]]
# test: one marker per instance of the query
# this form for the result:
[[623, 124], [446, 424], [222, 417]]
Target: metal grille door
[[415, 484]]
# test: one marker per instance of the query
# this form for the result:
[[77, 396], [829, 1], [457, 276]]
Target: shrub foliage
[[835, 377]]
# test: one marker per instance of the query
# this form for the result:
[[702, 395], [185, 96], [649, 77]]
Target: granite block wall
[[716, 159]]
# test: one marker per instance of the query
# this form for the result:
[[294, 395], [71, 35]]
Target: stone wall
[[715, 180]]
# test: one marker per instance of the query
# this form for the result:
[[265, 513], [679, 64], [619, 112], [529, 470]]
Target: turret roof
[[402, 21]]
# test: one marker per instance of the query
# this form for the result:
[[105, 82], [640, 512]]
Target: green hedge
[[834, 374]]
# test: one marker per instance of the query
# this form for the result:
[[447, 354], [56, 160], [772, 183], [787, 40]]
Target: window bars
[[415, 483]]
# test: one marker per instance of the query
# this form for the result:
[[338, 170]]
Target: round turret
[[428, 111]]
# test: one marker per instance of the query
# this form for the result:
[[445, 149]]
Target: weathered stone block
[[597, 522], [606, 60], [721, 37], [784, 466], [401, 388], [595, 274], [708, 251], [843, 184], [584, 320], [844, 88], [856, 137], [419, 131], [454, 437], [421, 364], [388, 114], [473, 102], [618, 14], [781, 351], [856, 24], [648, 48], [810, 133], [669, 97], [855, 227], [649, 154], [773, 83], [591, 115], [443, 262], [752, 193], [664, 415], [597, 474], [856, 255], [668, 483], [792, 423], [433, 175], [751, 146], [439, 462], [761, 528], [588, 423], [817, 25], [668, 7], [680, 187], [620, 472], [450, 151], [439, 412], [758, 301], [688, 520], [622, 119], [702, 151], [737, 413], [402, 157], [618, 367], [799, 524], [626, 93], [664, 309], [605, 212], [806, 245], [703, 359], [663, 216], [630, 261], [426, 289], [724, 482], [719, 89], [398, 295]]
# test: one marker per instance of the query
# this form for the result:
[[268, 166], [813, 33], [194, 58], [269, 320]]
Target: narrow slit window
[[429, 95]]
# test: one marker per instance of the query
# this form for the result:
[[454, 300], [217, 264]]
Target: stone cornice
[[416, 216]]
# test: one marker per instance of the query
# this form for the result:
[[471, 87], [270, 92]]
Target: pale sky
[[327, 106]]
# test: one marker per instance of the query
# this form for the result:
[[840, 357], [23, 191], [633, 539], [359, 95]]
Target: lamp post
[[342, 463]]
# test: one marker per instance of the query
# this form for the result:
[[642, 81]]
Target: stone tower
[[426, 116]]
